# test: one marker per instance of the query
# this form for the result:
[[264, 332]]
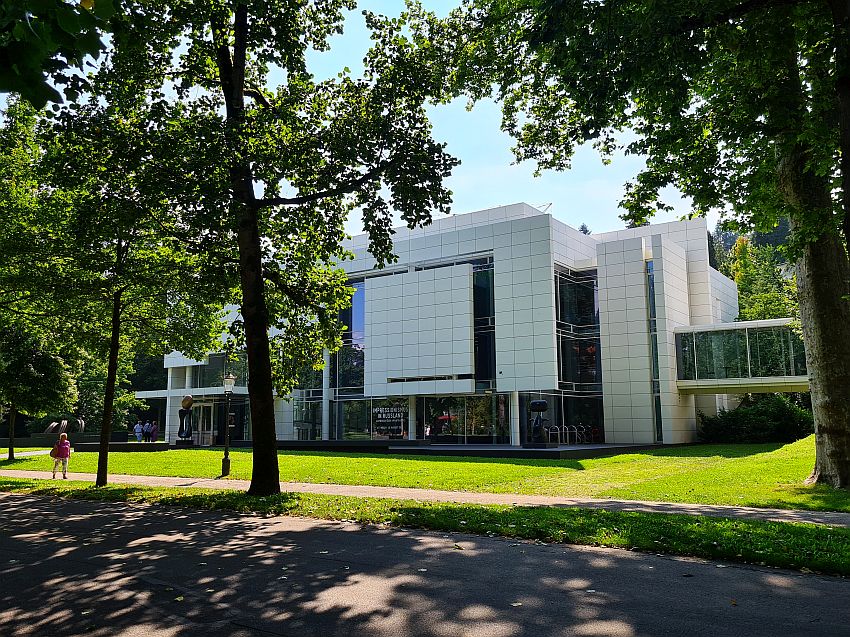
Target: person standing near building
[[146, 431], [138, 430], [61, 453], [154, 431]]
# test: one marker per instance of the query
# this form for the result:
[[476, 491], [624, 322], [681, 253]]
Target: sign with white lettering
[[389, 421]]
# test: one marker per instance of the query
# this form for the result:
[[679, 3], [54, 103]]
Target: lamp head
[[229, 382]]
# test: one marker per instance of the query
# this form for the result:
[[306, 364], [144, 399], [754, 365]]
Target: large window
[[579, 346], [577, 418], [481, 419], [353, 419], [307, 419], [652, 326], [366, 419], [484, 314], [578, 300], [389, 418], [580, 363], [348, 363], [212, 373]]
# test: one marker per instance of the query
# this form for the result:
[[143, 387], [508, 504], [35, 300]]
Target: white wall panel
[[418, 334]]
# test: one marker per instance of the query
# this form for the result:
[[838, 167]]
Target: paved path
[[429, 495], [110, 570], [26, 454]]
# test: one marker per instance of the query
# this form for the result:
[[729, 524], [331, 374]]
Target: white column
[[168, 427], [326, 396], [515, 441], [411, 417]]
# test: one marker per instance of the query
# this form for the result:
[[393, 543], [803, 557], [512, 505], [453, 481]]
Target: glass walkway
[[745, 357]]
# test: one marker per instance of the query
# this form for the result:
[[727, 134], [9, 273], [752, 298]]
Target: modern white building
[[625, 335]]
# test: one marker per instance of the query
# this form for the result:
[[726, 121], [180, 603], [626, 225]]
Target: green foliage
[[722, 241], [148, 373], [813, 547], [33, 380], [103, 237], [770, 418], [91, 374], [42, 41], [765, 288], [708, 92]]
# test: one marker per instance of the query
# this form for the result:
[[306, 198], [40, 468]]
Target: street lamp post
[[229, 382]]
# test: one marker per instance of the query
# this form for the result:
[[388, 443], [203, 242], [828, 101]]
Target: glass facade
[[348, 364], [748, 352], [480, 419], [578, 418], [307, 419], [576, 408], [370, 419], [484, 314], [577, 314], [212, 374]]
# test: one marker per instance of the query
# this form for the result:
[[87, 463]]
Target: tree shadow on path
[[73, 567]]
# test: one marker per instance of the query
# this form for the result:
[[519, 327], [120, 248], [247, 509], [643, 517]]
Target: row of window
[[740, 353], [478, 419]]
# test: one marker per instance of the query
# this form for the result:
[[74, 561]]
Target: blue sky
[[487, 176]]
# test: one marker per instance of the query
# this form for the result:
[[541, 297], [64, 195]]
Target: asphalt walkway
[[432, 495], [115, 570]]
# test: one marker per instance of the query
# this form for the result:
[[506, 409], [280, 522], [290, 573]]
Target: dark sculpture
[[538, 407], [185, 430]]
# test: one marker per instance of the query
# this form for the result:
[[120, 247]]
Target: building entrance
[[202, 423]]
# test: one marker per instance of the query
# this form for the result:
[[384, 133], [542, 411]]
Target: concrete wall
[[671, 302], [623, 316]]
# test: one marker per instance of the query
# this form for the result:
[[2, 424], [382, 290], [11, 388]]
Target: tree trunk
[[12, 415], [823, 285], [265, 475], [109, 393], [822, 274]]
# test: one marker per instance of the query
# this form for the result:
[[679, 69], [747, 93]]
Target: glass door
[[202, 424]]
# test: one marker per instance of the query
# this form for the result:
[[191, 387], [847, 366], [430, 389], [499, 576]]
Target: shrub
[[770, 418]]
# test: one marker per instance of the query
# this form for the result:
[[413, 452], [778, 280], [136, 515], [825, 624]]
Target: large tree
[[33, 379], [269, 162], [744, 105], [93, 253]]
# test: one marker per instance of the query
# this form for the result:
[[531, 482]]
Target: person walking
[[154, 431], [146, 431], [138, 430], [61, 453]]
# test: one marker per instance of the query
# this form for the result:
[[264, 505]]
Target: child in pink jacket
[[61, 453]]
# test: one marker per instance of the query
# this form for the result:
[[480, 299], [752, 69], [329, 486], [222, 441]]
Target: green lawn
[[803, 546], [744, 475]]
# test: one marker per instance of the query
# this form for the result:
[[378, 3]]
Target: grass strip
[[769, 475], [788, 545]]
